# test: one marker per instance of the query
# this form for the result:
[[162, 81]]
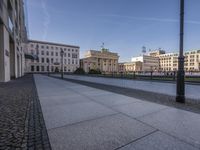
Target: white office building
[[49, 58], [149, 63]]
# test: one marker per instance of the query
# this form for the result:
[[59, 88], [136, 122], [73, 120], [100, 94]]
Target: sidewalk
[[81, 117], [191, 91]]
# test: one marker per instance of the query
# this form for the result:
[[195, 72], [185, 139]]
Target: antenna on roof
[[102, 46], [144, 49]]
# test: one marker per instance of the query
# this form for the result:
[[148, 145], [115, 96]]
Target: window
[[42, 46], [47, 53], [42, 60], [74, 55], [51, 53], [65, 61], [51, 60], [56, 48], [68, 61], [47, 60], [56, 53], [72, 61], [42, 52], [68, 54], [38, 68], [52, 47], [42, 68], [32, 45], [65, 54], [47, 47], [32, 68]]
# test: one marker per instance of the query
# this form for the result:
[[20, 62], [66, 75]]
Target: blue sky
[[123, 25]]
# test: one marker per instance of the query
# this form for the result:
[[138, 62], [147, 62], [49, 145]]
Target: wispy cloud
[[153, 19], [47, 19]]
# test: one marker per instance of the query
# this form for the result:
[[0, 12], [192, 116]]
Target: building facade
[[158, 60], [129, 67], [149, 63], [12, 39], [50, 58], [169, 61], [105, 61]]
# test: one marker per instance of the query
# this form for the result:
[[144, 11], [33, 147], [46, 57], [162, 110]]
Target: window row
[[47, 68], [53, 47], [65, 61], [73, 55]]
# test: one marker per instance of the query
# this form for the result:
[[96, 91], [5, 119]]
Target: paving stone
[[114, 99], [106, 133], [192, 91], [139, 108], [20, 115], [61, 115], [158, 141], [179, 123]]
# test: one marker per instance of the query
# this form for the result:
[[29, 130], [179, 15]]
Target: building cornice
[[52, 43]]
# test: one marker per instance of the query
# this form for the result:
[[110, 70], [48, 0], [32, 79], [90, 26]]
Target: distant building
[[156, 53], [121, 67], [129, 67], [49, 58], [105, 61], [149, 63], [12, 39], [169, 61]]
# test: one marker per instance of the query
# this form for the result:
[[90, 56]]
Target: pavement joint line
[[193, 145], [137, 118], [137, 139], [80, 122], [118, 112], [163, 109], [40, 107], [112, 107], [191, 107]]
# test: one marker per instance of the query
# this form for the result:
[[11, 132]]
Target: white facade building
[[50, 58], [149, 63]]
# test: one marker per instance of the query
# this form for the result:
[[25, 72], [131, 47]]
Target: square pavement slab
[[105, 133], [158, 141], [60, 115], [179, 123], [139, 108], [53, 101], [114, 99]]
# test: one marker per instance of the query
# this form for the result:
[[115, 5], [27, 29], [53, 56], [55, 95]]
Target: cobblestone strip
[[37, 133], [190, 105], [21, 122]]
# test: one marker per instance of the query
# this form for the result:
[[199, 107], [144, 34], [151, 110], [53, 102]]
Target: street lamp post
[[48, 67], [180, 91], [61, 54]]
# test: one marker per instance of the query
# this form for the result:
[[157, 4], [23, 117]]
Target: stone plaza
[[67, 115]]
